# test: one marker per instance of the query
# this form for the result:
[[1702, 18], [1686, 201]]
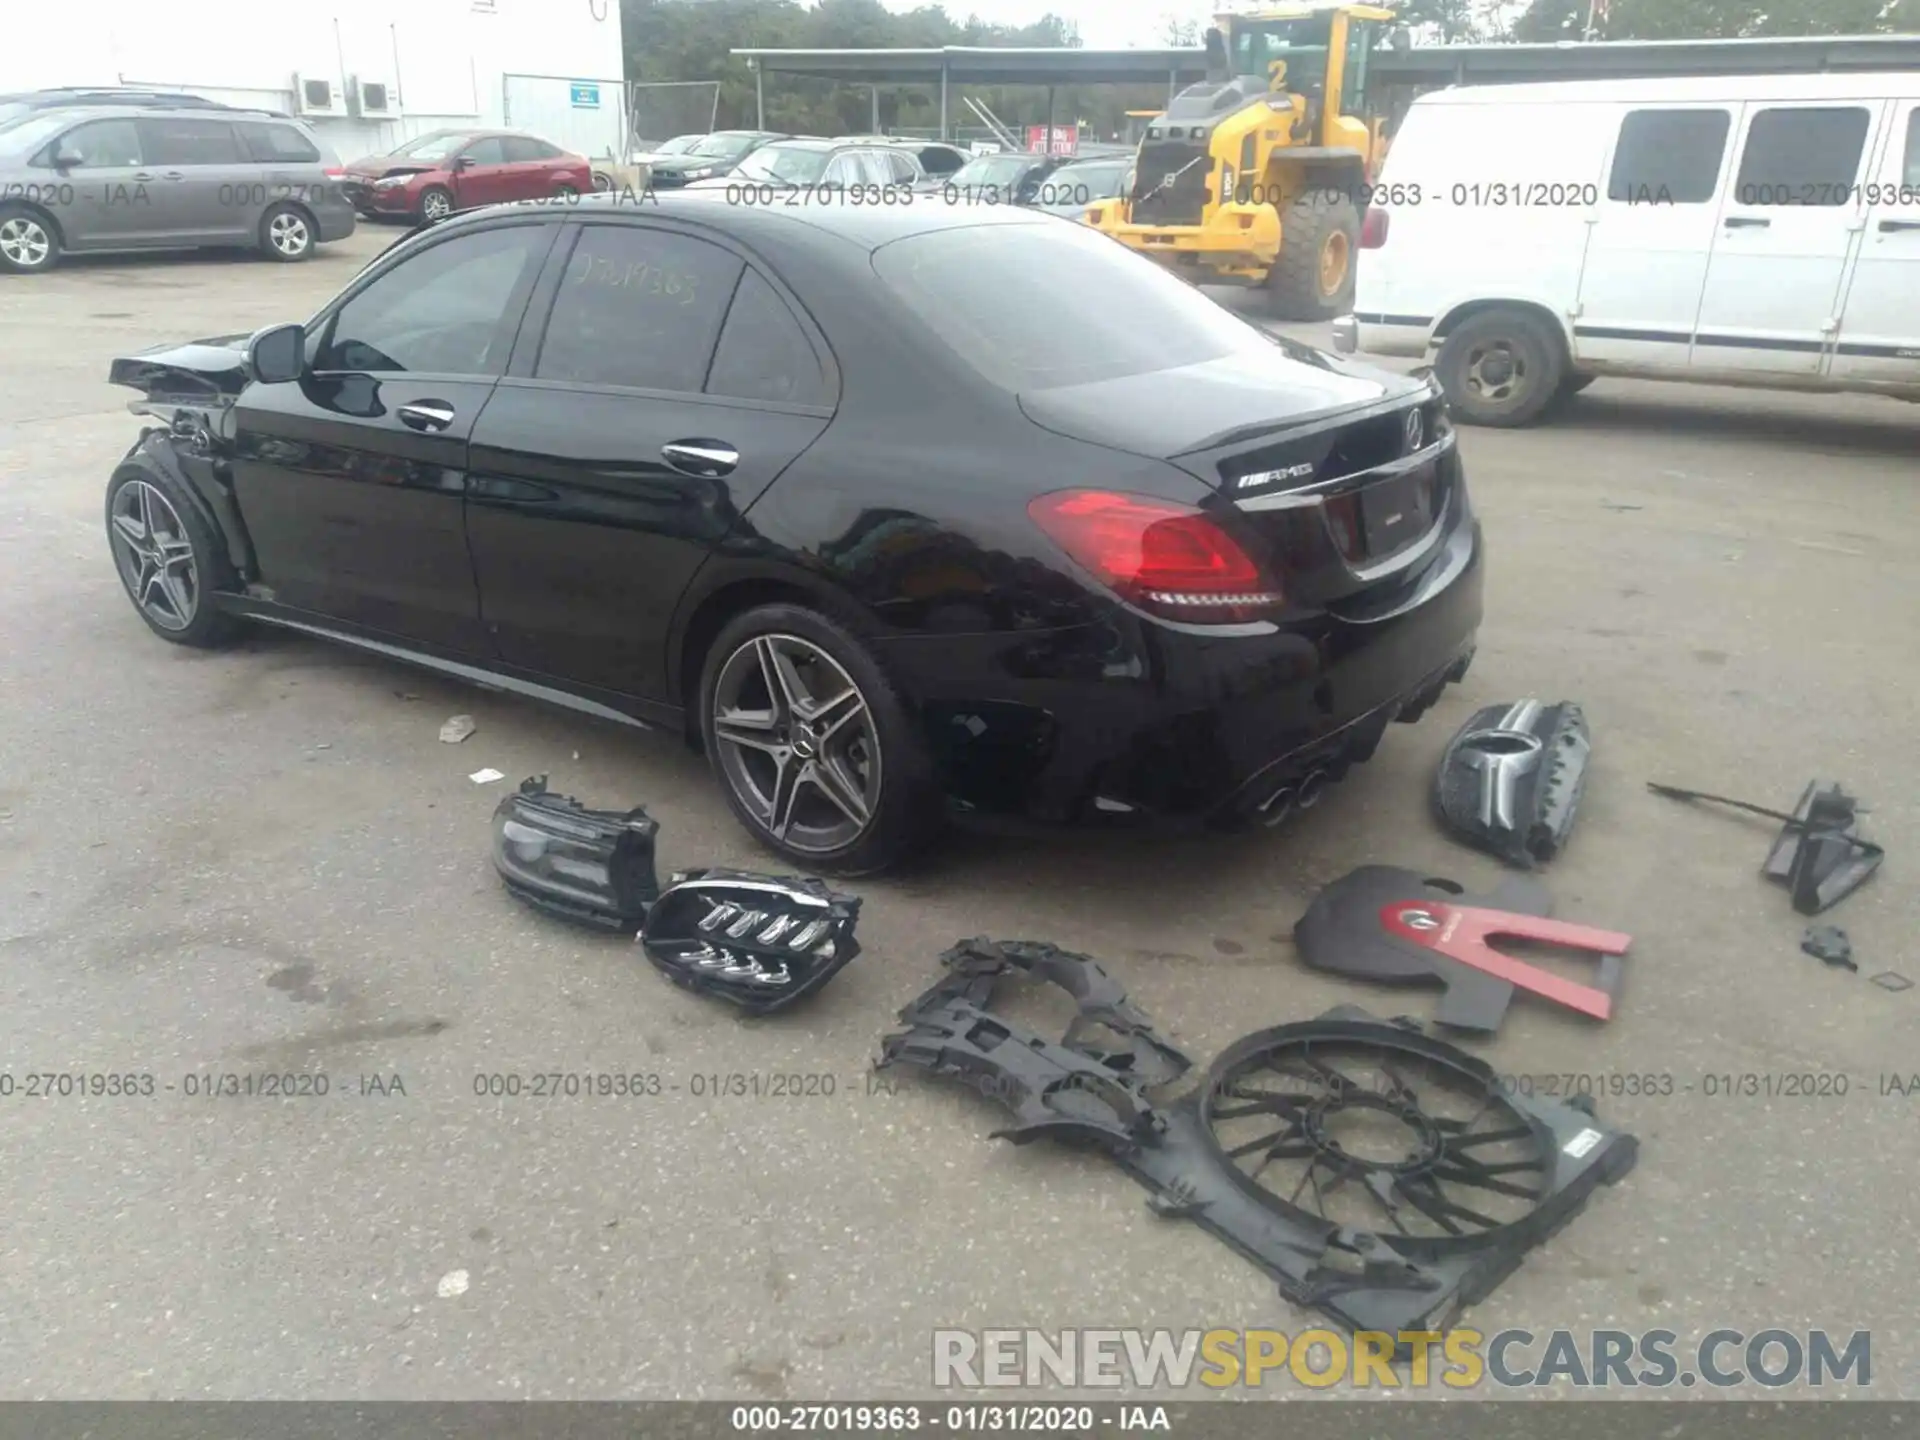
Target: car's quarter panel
[[352, 479], [591, 507], [1880, 327], [1789, 223], [1646, 261]]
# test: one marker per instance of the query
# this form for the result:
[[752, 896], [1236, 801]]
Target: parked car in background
[[803, 163], [435, 174], [1080, 183], [1009, 178], [122, 177], [645, 154], [26, 102], [875, 505], [709, 156]]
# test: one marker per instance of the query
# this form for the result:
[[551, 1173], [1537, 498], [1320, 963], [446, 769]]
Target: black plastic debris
[[1818, 855], [1380, 1176], [1830, 944], [761, 942], [1891, 980], [1400, 927], [1510, 781], [594, 867]]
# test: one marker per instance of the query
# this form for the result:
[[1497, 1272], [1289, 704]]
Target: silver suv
[[152, 178]]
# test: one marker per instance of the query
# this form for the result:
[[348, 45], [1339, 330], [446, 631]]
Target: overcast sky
[[1104, 24]]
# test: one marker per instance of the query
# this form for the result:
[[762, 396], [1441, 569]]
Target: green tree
[[1549, 20]]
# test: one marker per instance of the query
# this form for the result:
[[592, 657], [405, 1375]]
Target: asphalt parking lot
[[265, 859]]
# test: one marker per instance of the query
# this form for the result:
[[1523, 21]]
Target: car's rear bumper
[[1144, 721], [335, 221]]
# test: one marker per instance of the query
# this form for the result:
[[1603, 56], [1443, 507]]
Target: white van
[[1758, 230]]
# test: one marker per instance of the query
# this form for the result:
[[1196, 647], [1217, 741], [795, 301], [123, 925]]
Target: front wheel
[[436, 204], [28, 243], [817, 754], [1501, 368], [169, 560]]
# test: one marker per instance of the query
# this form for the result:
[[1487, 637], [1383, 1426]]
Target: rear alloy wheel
[[168, 563], [566, 194], [27, 242], [435, 205], [815, 752], [1501, 368], [286, 234]]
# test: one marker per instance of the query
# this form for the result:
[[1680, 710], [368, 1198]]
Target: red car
[[430, 177]]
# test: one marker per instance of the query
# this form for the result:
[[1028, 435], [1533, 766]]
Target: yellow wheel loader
[[1260, 174]]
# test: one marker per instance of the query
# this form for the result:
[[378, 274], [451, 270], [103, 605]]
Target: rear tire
[[29, 241], [286, 234], [1319, 242], [866, 745], [1501, 368], [169, 560]]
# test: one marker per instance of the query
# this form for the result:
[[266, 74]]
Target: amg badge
[[1274, 477]]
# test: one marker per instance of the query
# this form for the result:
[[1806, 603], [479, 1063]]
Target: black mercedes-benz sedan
[[878, 506]]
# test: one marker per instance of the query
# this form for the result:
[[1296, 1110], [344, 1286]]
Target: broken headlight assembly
[[761, 942], [595, 867], [1381, 1176]]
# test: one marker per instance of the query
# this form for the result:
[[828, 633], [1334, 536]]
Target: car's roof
[[169, 112], [865, 226]]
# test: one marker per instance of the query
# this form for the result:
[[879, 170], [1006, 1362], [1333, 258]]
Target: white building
[[367, 74]]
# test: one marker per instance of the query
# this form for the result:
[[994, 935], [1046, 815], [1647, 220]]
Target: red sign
[[1063, 140]]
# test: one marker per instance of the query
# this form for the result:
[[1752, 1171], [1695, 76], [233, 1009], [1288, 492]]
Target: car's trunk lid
[[1338, 478]]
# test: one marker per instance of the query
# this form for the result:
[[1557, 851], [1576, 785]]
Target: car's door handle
[[142, 176], [707, 459], [1888, 226], [1747, 222], [427, 415]]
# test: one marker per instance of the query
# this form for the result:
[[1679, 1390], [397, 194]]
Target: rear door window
[[182, 141], [764, 354], [276, 144], [639, 308], [1669, 157], [521, 150], [1803, 155]]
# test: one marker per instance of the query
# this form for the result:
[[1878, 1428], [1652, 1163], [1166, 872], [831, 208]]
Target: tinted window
[[1911, 174], [638, 307], [1039, 305], [1669, 157], [519, 149], [1802, 156], [490, 151], [188, 142], [764, 354], [276, 142], [449, 310], [104, 143]]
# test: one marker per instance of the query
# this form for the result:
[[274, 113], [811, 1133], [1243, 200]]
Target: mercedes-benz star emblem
[[1416, 431]]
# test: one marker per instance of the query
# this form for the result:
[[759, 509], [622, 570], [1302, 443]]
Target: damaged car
[[893, 512]]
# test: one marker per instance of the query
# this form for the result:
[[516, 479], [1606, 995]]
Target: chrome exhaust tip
[[1311, 790], [1276, 807]]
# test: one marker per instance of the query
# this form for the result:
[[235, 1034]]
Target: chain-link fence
[[658, 110]]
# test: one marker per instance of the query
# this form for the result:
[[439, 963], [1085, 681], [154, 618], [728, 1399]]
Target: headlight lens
[[392, 182]]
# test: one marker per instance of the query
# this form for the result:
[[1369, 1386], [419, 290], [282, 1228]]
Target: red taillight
[[1373, 229], [1165, 557]]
